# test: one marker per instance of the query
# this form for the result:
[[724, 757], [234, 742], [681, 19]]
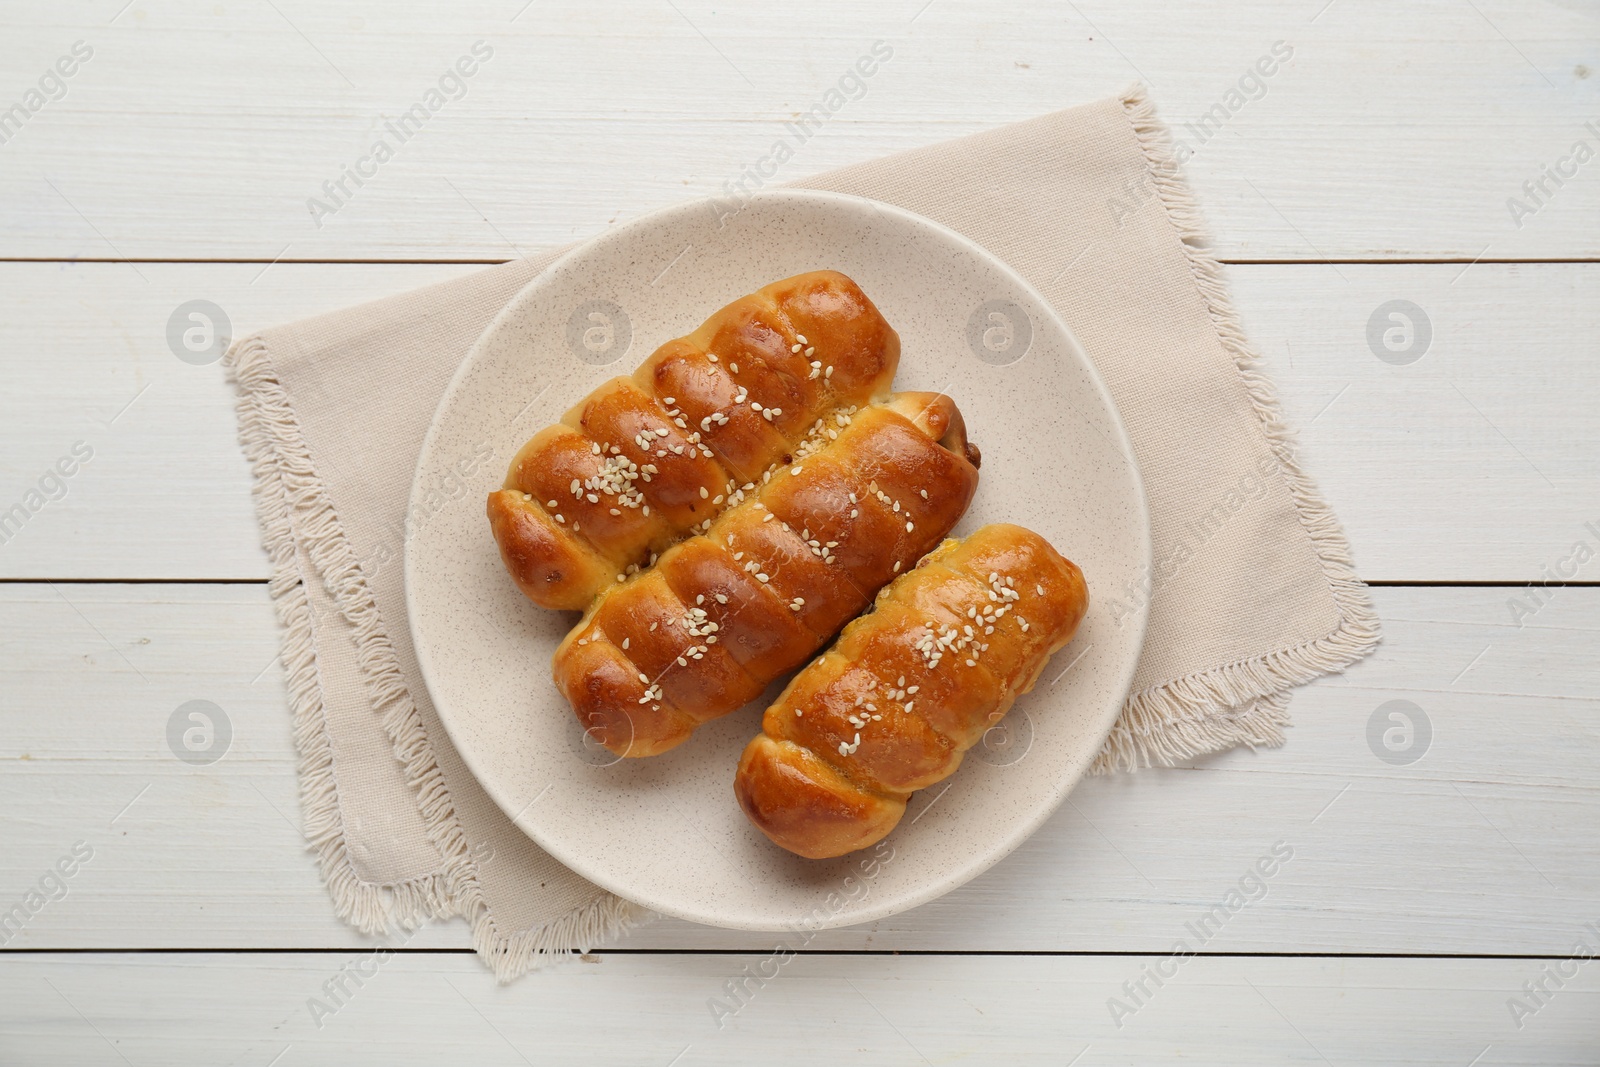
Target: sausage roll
[[907, 689], [647, 460], [722, 614]]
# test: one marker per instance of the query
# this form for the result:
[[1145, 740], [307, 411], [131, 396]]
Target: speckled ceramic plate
[[666, 832]]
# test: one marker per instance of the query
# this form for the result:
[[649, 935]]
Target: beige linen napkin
[[1252, 590]]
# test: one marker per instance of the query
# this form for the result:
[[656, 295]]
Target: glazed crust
[[646, 460], [907, 690], [721, 615]]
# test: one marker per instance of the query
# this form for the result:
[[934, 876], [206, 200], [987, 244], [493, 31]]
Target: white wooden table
[[1421, 897]]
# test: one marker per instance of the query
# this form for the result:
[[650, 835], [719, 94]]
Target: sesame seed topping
[[712, 356], [704, 495], [801, 338], [625, 641]]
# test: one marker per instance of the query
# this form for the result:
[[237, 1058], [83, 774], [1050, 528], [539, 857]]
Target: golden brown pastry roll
[[894, 705], [646, 460], [721, 615]]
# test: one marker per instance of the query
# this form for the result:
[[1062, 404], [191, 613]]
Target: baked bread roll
[[722, 614], [907, 689], [644, 461]]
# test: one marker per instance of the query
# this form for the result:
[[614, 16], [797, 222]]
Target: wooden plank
[[1484, 845], [632, 1010], [1463, 465], [198, 131]]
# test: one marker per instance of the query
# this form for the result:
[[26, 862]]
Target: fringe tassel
[[293, 508], [1247, 702]]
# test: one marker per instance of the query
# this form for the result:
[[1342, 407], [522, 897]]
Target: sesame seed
[[560, 517], [795, 348], [795, 471], [910, 526], [669, 401], [828, 373], [811, 351], [733, 367], [682, 662], [896, 567], [1039, 589], [801, 338], [625, 641], [721, 599], [704, 495], [712, 356], [550, 503]]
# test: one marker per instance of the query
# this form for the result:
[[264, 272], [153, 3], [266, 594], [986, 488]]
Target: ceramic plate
[[666, 832]]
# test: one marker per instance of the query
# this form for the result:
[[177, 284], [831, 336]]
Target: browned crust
[[703, 415], [876, 722], [791, 565]]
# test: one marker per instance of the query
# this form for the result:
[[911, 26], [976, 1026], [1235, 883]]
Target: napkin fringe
[[293, 507], [1245, 702]]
